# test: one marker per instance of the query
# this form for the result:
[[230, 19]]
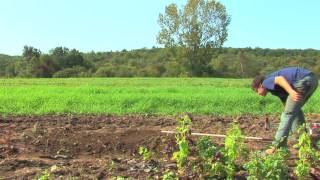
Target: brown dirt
[[104, 146]]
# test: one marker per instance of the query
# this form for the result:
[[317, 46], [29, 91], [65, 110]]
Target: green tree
[[30, 52], [31, 56], [65, 58], [46, 66], [59, 56], [59, 51], [196, 27], [10, 70]]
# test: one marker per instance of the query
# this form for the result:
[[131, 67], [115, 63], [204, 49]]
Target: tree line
[[192, 35], [155, 62]]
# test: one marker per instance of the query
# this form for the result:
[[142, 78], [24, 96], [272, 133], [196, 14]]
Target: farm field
[[159, 90], [160, 96], [94, 128], [106, 146]]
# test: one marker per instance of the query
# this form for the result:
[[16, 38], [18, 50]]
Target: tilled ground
[[105, 146]]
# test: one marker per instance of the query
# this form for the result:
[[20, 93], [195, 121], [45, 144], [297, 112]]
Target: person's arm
[[281, 81]]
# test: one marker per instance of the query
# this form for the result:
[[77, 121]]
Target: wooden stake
[[220, 136]]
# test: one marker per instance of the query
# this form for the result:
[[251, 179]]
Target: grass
[[161, 96]]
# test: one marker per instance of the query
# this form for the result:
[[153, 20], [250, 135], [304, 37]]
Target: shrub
[[70, 72]]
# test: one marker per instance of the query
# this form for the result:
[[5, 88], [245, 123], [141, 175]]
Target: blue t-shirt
[[291, 74]]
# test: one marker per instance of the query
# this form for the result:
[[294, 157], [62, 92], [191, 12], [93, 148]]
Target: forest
[[155, 62]]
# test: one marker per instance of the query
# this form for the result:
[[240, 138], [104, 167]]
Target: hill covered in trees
[[155, 62]]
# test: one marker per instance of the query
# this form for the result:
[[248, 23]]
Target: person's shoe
[[271, 150]]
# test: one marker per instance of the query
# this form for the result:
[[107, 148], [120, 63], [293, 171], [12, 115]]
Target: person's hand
[[295, 96]]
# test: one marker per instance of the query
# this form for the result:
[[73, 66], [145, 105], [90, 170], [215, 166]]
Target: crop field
[[110, 128], [165, 96]]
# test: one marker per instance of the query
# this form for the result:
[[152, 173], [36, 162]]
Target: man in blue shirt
[[293, 86]]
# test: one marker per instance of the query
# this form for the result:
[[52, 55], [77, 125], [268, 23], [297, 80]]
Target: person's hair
[[257, 81]]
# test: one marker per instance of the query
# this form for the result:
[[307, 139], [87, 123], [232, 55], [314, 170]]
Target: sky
[[112, 25]]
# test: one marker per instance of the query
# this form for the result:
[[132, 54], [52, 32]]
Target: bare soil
[[106, 146]]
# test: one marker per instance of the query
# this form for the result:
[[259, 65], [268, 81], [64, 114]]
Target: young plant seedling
[[221, 163], [207, 154], [146, 154], [45, 175], [268, 167], [234, 147], [169, 175], [183, 132]]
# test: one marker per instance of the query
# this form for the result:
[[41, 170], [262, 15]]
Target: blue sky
[[105, 25]]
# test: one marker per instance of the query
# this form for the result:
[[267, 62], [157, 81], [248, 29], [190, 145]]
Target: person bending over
[[294, 86]]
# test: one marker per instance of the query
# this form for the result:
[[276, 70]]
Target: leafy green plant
[[268, 167], [307, 155], [234, 144], [183, 131], [45, 176], [318, 144], [205, 147], [146, 154], [234, 147], [221, 163], [169, 175], [183, 128], [181, 156], [207, 154]]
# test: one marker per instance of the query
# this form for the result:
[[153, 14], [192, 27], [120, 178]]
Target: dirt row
[[105, 146]]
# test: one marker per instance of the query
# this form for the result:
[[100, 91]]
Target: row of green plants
[[214, 162], [211, 161]]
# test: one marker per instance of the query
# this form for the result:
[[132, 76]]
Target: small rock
[[132, 161], [171, 165], [133, 168]]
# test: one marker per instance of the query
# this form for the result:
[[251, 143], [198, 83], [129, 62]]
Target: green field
[[165, 96]]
